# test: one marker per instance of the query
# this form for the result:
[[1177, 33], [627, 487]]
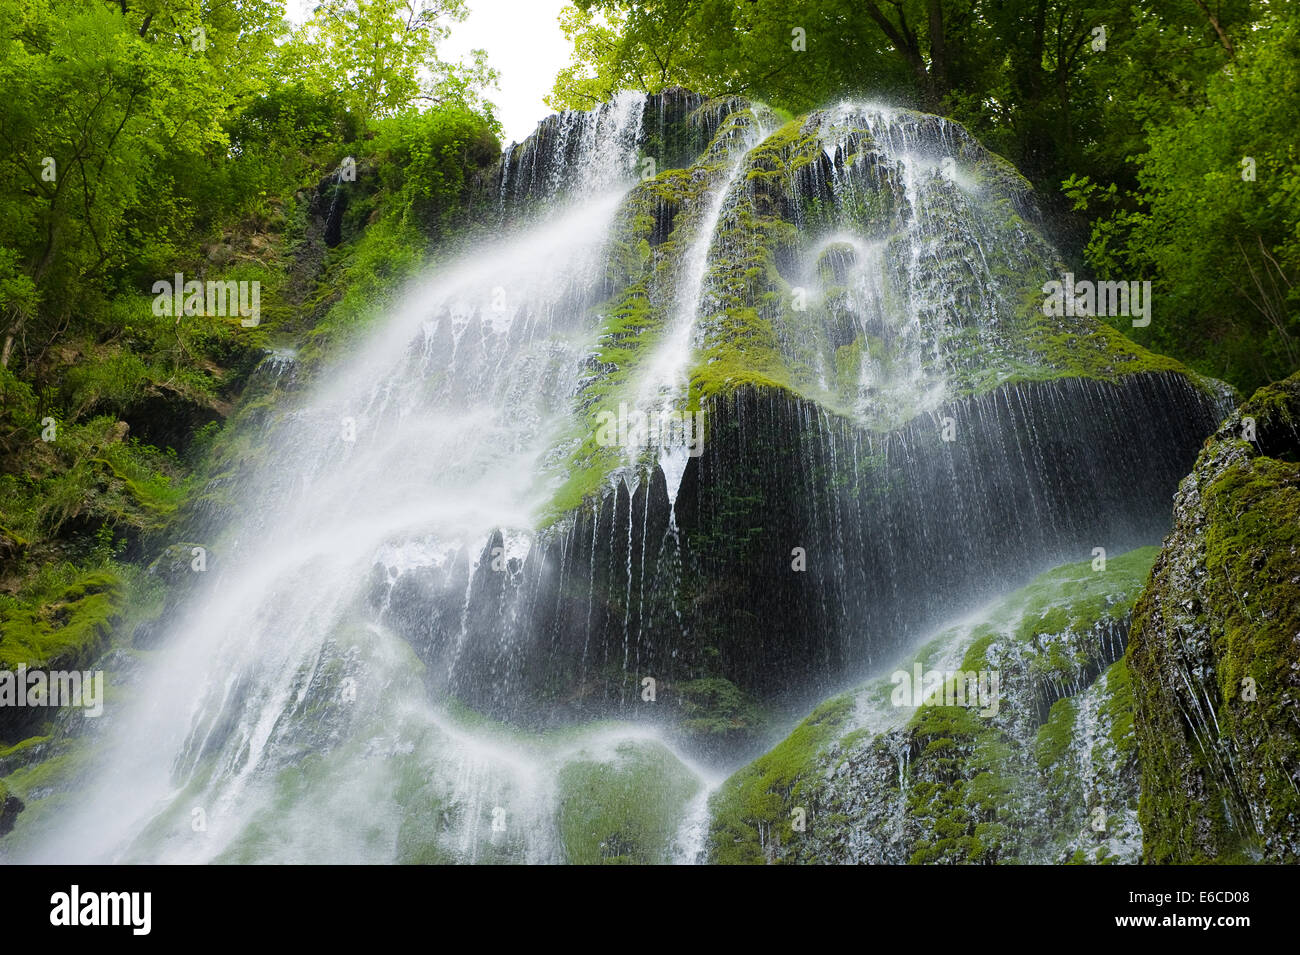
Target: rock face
[[10, 807], [1037, 767], [851, 301], [1198, 716], [1215, 651]]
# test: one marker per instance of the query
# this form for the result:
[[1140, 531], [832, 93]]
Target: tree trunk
[[938, 53]]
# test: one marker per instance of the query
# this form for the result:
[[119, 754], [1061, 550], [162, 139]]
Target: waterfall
[[279, 656], [415, 644]]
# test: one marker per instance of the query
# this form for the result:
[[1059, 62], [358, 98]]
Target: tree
[[1214, 217], [86, 110], [379, 53]]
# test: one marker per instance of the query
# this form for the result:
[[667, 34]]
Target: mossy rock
[[774, 314], [754, 813], [623, 811], [10, 807], [953, 784], [1216, 647], [65, 631]]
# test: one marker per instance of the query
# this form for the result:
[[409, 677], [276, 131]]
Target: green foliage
[[427, 166], [381, 56], [132, 134], [428, 160], [718, 47], [277, 140], [1222, 248], [88, 115], [714, 706]]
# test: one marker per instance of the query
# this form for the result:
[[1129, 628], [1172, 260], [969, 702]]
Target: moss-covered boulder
[[879, 263], [1035, 761], [1215, 651], [64, 631], [624, 810]]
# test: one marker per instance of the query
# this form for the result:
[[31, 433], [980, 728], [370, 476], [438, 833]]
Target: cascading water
[[871, 376], [830, 295], [407, 456]]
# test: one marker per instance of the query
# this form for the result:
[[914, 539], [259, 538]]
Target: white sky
[[523, 41]]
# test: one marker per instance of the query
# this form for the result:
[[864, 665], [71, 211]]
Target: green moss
[[65, 631], [17, 749], [782, 153], [1075, 597], [1118, 709], [968, 777], [753, 807], [976, 657], [848, 367], [1224, 602], [1094, 351], [1055, 736], [36, 782], [623, 811], [1034, 347], [1250, 553], [964, 802]]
